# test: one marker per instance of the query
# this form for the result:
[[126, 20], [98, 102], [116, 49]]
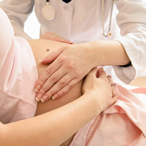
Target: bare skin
[[40, 49], [55, 127], [81, 58], [44, 47]]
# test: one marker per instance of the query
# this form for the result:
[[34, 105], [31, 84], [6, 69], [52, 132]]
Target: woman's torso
[[41, 48]]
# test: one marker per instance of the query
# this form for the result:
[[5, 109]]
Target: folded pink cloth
[[123, 124], [18, 74]]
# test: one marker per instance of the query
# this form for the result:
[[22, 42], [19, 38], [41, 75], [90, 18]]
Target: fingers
[[58, 85], [53, 80], [55, 37], [61, 39], [52, 56], [49, 71], [46, 74], [65, 89], [93, 72], [50, 76], [114, 89], [59, 89], [113, 85], [115, 97], [97, 72], [101, 72], [115, 93], [50, 82]]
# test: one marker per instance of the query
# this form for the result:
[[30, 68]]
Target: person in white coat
[[105, 32]]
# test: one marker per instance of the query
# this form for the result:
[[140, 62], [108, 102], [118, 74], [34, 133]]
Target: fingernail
[[54, 97], [115, 84], [37, 100], [44, 98], [39, 97], [55, 36], [42, 59], [42, 101], [109, 76], [37, 88]]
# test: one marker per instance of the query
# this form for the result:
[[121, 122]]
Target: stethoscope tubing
[[110, 21], [108, 32]]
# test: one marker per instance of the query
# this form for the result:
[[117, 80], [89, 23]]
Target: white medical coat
[[81, 21]]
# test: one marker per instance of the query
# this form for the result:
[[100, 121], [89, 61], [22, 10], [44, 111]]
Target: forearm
[[108, 53], [52, 128]]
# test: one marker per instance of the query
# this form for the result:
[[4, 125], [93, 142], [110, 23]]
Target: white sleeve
[[131, 20], [18, 11]]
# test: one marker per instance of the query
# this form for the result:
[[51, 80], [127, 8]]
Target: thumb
[[93, 72], [52, 56]]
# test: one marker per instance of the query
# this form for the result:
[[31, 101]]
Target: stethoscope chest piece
[[48, 12]]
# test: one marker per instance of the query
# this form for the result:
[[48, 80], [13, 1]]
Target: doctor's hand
[[69, 65], [55, 37], [100, 86]]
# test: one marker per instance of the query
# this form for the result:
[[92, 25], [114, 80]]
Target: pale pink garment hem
[[123, 124], [18, 74]]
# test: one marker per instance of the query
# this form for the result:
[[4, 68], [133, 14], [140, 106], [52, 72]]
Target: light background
[[32, 26]]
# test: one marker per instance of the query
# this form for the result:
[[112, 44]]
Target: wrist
[[108, 53], [91, 48], [93, 101], [96, 50]]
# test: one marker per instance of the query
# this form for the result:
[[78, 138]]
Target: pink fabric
[[123, 124], [18, 74]]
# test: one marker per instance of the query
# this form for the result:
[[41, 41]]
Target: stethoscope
[[48, 13]]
